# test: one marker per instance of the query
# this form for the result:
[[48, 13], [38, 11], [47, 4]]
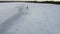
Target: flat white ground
[[17, 18]]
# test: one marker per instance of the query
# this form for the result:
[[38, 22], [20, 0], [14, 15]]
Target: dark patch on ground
[[46, 2]]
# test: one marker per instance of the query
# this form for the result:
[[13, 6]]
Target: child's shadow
[[9, 22]]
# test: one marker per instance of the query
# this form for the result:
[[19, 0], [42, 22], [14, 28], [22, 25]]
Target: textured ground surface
[[29, 18]]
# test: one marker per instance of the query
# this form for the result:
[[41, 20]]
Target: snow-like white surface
[[16, 18]]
